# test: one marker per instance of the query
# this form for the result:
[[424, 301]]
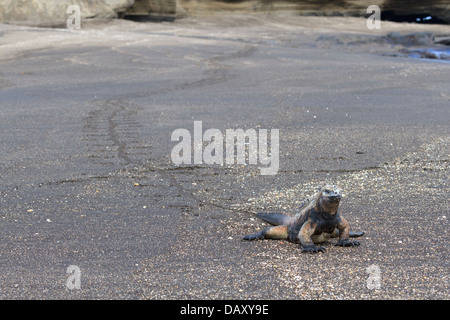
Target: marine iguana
[[317, 221]]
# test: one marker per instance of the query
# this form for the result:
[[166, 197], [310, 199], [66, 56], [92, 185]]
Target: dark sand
[[87, 179]]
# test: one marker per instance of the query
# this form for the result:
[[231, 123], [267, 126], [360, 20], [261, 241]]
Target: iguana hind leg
[[277, 233]]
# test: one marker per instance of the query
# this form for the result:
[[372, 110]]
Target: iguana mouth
[[331, 194], [334, 198]]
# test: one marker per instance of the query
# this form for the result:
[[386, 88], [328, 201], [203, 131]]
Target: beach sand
[[87, 177]]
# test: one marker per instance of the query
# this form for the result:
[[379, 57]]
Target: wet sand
[[87, 178]]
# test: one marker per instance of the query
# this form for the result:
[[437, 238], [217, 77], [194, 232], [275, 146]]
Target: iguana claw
[[347, 243], [313, 249]]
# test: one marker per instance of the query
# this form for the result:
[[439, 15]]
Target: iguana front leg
[[304, 236], [344, 233]]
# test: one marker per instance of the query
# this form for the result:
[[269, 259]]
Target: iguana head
[[329, 198]]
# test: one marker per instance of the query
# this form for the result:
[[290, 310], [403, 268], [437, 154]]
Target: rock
[[435, 8], [155, 9], [396, 8], [144, 7], [444, 40], [411, 39], [53, 12]]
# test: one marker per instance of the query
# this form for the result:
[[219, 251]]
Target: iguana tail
[[355, 234], [274, 218]]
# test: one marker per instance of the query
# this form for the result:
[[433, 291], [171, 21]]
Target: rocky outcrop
[[48, 12], [53, 12], [310, 7], [154, 10], [155, 7], [436, 9], [409, 10]]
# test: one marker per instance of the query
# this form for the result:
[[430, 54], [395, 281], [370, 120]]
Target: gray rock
[[144, 7], [411, 39], [53, 12], [436, 8], [156, 9]]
